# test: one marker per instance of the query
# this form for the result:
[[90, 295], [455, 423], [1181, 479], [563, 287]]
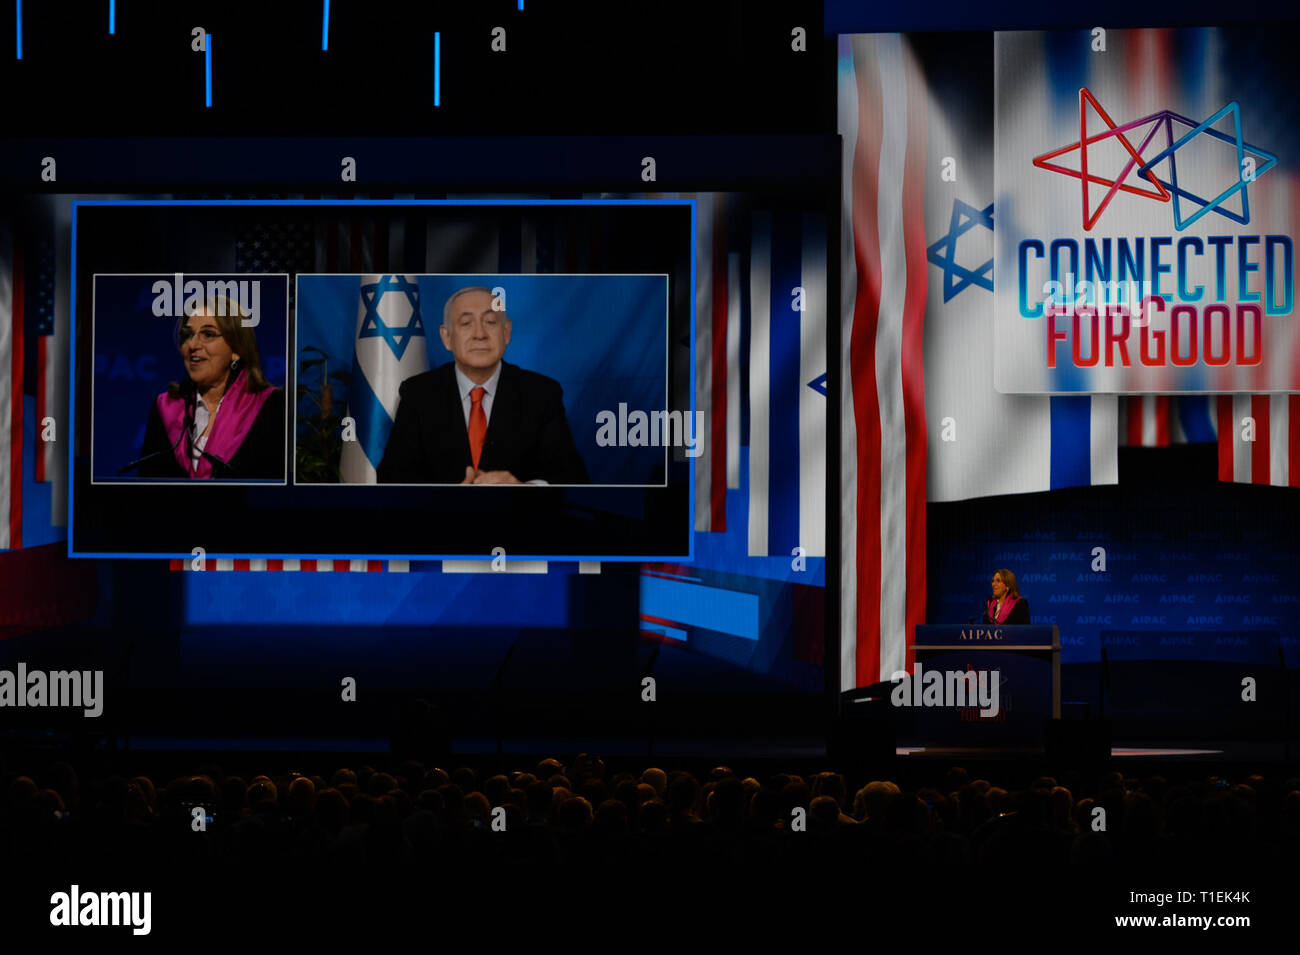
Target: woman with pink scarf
[[1006, 605], [225, 422]]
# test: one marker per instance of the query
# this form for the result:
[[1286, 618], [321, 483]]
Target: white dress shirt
[[199, 440], [489, 392], [466, 385]]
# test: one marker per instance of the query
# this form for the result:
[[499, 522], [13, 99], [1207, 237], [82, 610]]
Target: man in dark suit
[[478, 419]]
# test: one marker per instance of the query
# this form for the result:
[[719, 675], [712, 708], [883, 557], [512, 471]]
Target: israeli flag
[[391, 346], [787, 385], [979, 441]]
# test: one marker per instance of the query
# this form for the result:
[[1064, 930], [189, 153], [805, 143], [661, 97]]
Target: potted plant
[[320, 439]]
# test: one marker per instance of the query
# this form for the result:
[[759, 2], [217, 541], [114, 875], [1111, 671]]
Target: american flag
[[39, 585], [1259, 439], [1259, 434], [1158, 421], [883, 428], [11, 389], [40, 330], [276, 245], [34, 260]]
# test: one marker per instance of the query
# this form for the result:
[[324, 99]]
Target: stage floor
[[793, 747], [1229, 750]]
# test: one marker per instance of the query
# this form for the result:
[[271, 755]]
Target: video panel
[[435, 344], [223, 340], [554, 414]]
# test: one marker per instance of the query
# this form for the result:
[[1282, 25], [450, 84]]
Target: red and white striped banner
[[376, 566], [256, 563], [717, 360], [1158, 421], [11, 390], [882, 120], [1259, 439]]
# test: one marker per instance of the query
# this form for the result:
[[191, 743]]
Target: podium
[[1025, 663]]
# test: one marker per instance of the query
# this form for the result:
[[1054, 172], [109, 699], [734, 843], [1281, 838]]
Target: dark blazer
[[1019, 613], [260, 456], [528, 434]]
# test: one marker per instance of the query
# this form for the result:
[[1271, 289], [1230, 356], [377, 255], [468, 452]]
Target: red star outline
[[1085, 96]]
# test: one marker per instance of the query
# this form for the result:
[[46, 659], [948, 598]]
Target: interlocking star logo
[[944, 252], [1085, 177], [818, 385], [373, 324], [1163, 190], [1239, 185]]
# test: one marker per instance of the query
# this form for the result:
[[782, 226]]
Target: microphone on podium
[[979, 617]]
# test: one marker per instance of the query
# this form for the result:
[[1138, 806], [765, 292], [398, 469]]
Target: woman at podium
[[229, 415], [1006, 605]]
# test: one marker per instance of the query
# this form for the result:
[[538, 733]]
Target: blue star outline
[[944, 252], [372, 326]]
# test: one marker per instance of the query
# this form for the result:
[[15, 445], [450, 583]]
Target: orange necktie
[[477, 425]]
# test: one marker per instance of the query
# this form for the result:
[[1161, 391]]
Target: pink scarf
[[1005, 611], [239, 409]]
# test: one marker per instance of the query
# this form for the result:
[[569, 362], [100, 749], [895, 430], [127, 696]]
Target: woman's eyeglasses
[[206, 335]]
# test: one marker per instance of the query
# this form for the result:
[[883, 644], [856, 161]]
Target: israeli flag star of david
[[391, 346]]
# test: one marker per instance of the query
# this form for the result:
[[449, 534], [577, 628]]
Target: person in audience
[[371, 820]]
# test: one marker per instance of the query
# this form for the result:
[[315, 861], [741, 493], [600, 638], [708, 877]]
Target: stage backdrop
[[1169, 565]]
